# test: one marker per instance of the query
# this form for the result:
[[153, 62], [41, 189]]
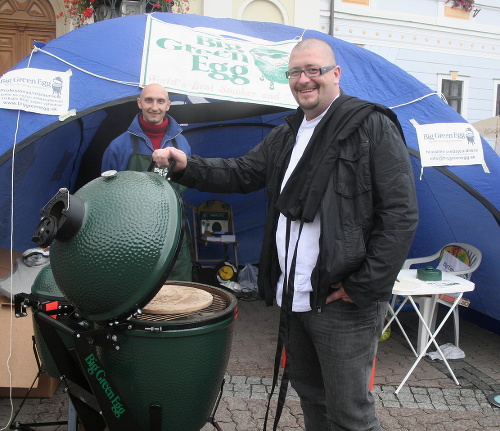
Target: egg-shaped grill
[[113, 245], [176, 361]]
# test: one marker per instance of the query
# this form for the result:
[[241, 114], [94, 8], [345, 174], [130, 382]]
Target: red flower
[[77, 12], [88, 12], [467, 5]]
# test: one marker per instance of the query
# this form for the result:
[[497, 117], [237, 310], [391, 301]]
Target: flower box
[[455, 12]]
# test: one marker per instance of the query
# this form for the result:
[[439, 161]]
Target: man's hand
[[338, 293], [163, 155]]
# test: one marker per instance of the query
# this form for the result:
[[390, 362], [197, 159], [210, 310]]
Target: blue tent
[[458, 203]]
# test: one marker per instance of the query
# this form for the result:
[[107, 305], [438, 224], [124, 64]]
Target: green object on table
[[429, 273]]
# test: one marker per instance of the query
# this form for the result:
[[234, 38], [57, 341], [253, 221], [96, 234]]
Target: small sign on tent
[[203, 63], [449, 144], [490, 128], [35, 90]]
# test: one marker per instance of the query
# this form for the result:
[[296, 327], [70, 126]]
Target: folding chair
[[456, 258]]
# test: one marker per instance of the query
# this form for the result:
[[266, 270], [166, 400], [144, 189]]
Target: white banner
[[35, 90], [449, 144], [200, 62]]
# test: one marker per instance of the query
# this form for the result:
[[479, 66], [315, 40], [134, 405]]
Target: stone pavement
[[430, 400]]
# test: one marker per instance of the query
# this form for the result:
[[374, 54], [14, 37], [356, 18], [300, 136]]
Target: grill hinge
[[153, 329]]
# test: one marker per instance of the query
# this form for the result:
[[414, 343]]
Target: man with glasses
[[342, 214]]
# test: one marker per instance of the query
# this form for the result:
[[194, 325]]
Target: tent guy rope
[[419, 99], [36, 49], [136, 84], [11, 256]]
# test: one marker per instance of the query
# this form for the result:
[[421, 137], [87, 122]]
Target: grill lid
[[45, 286], [123, 247]]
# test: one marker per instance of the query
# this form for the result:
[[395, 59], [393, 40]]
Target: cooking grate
[[218, 304]]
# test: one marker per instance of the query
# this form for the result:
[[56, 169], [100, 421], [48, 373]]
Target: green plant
[[77, 11], [177, 6], [467, 5]]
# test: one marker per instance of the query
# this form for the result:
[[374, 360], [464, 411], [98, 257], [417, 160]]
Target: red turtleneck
[[155, 132]]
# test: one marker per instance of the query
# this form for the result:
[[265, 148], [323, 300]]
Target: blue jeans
[[331, 356]]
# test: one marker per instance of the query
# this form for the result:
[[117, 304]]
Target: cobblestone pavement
[[429, 401]]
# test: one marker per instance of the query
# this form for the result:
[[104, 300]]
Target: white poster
[[202, 63], [35, 90], [449, 144]]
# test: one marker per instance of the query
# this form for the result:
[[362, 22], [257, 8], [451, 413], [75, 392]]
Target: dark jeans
[[331, 356]]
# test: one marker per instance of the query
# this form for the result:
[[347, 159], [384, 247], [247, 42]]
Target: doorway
[[21, 23]]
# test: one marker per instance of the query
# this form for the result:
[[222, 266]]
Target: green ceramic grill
[[113, 244], [179, 362], [124, 248], [45, 288]]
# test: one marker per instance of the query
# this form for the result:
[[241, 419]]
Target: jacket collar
[[173, 128]]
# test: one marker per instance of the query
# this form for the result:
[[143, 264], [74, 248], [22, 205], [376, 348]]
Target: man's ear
[[139, 104]]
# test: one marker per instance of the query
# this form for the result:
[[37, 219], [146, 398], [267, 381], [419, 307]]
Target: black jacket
[[368, 213]]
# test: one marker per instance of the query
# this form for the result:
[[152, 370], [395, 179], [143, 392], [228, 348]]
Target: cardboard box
[[5, 264], [23, 366]]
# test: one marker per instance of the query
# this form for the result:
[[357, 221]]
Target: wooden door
[[21, 23]]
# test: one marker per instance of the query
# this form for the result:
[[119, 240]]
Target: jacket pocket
[[353, 170], [354, 247]]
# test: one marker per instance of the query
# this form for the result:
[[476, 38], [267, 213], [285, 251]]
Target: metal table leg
[[432, 340]]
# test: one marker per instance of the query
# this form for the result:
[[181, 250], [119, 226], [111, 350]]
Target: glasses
[[310, 72]]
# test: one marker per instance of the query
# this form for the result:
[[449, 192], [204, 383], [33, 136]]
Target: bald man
[[150, 130], [342, 213]]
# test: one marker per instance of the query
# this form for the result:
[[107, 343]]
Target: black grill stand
[[16, 425], [211, 419], [87, 398]]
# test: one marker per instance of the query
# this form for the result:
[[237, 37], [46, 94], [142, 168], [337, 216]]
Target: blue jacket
[[118, 153]]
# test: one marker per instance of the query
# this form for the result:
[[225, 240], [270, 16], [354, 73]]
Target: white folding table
[[407, 285]]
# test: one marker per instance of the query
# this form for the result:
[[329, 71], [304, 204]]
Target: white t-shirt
[[308, 248]]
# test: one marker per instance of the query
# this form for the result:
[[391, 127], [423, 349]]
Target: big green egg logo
[[224, 60], [206, 48], [100, 375]]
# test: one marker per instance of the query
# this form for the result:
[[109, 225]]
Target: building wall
[[298, 13], [429, 40]]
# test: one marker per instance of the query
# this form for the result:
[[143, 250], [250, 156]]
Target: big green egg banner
[[201, 62]]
